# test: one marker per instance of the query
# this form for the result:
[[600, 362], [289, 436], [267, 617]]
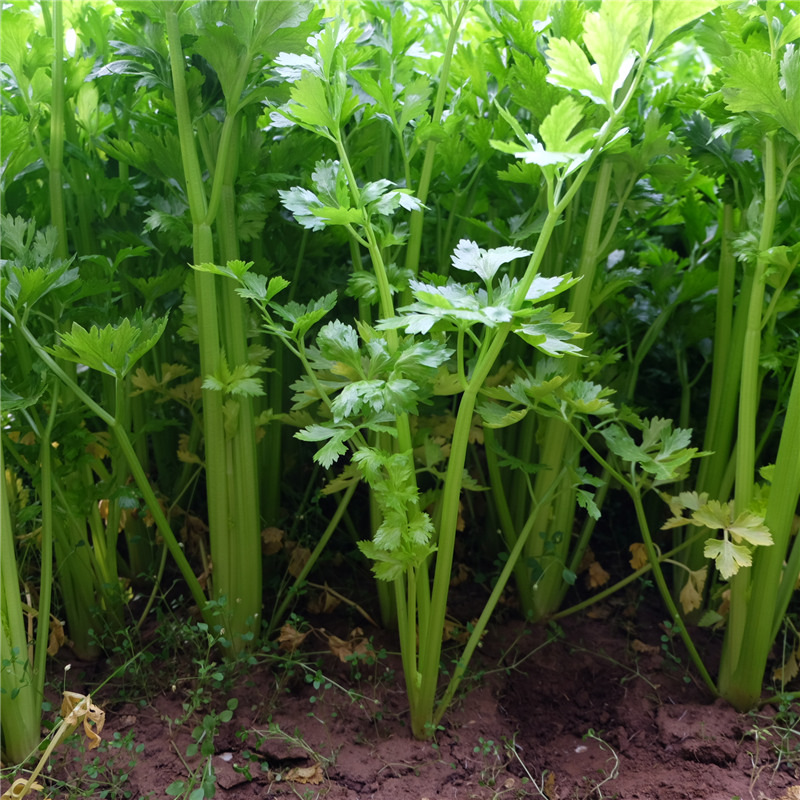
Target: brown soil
[[600, 711]]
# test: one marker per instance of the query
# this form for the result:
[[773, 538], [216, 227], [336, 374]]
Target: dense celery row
[[346, 293]]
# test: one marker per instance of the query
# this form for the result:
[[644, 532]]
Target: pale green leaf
[[728, 557], [485, 263], [669, 15], [570, 69]]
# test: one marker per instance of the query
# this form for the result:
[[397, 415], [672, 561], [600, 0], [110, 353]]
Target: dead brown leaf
[[323, 602], [313, 775], [691, 595], [791, 793], [550, 791], [57, 636], [789, 669], [271, 541], [297, 560], [77, 708], [20, 789], [460, 574], [638, 646], [456, 632], [725, 605], [356, 645], [290, 638], [597, 576], [638, 555]]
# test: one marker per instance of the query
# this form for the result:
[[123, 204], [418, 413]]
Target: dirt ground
[[604, 708]]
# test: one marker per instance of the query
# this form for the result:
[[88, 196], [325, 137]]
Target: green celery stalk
[[417, 220], [769, 584], [58, 214], [230, 579], [20, 704]]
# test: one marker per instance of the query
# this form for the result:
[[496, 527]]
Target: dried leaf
[[638, 646], [290, 638], [460, 574], [77, 708], [97, 449], [298, 560], [791, 793], [586, 561], [57, 636], [17, 789], [456, 632], [691, 595], [638, 555], [460, 523], [356, 645], [597, 576], [789, 669], [271, 541], [313, 774], [323, 602], [725, 605], [550, 791], [27, 439], [187, 393], [184, 453]]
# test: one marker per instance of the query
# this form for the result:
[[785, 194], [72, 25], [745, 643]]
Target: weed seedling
[[610, 774]]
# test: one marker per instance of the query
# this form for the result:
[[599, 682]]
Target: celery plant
[[21, 692], [758, 80], [759, 596], [403, 543], [550, 558], [236, 39]]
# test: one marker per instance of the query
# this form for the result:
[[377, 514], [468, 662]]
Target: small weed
[[610, 774], [671, 658], [780, 733]]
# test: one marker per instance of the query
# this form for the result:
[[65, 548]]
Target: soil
[[599, 707]]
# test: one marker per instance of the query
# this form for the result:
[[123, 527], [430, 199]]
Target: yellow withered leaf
[[313, 774], [789, 669], [77, 708], [550, 791], [356, 645], [20, 789], [638, 555], [297, 560], [597, 576], [460, 574], [57, 637], [187, 393], [691, 595], [271, 540], [290, 638], [184, 454], [323, 602]]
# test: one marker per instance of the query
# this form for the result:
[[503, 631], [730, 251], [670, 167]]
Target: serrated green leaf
[[485, 263], [556, 129], [309, 105], [670, 15], [240, 380], [113, 350], [728, 557], [751, 84], [791, 31], [570, 69], [339, 342], [493, 415], [303, 317]]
